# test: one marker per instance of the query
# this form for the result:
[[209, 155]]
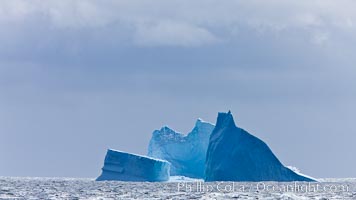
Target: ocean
[[81, 188]]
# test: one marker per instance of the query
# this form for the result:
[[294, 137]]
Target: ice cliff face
[[235, 155], [122, 166], [186, 153]]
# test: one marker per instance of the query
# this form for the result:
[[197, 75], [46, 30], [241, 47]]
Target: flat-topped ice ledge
[[123, 166]]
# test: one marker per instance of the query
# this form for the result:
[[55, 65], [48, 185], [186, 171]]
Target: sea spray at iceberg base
[[186, 153], [122, 166]]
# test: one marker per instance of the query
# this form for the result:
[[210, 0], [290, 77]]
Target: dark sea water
[[74, 188]]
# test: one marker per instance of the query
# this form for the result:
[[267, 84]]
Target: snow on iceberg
[[236, 155], [186, 153], [122, 166]]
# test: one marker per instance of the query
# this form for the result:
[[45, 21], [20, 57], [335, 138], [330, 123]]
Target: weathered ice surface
[[186, 153], [235, 155], [122, 166]]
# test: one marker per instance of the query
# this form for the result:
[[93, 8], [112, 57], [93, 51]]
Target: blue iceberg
[[186, 153], [122, 166], [235, 155]]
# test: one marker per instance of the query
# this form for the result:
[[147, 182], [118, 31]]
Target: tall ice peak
[[225, 119]]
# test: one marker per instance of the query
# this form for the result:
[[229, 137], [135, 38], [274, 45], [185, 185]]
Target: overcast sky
[[78, 77]]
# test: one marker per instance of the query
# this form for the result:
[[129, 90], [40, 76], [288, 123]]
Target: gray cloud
[[181, 22], [172, 34]]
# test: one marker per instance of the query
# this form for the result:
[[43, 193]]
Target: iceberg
[[123, 166], [235, 155], [186, 153]]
